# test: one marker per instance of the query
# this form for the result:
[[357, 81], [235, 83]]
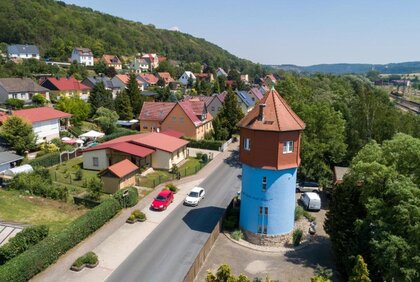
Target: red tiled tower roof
[[278, 116]]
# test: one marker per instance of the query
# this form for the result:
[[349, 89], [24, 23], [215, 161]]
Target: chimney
[[261, 114]]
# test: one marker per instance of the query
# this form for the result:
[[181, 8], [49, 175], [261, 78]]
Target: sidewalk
[[116, 239]]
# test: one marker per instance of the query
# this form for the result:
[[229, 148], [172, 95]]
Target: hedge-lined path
[[116, 239]]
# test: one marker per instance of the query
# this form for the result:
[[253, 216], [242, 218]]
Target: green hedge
[[118, 133], [47, 160], [75, 130], [205, 144], [131, 200], [39, 257], [22, 241]]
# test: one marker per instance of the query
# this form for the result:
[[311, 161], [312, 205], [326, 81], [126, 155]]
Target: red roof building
[[112, 61], [66, 86], [119, 176], [148, 79], [166, 77]]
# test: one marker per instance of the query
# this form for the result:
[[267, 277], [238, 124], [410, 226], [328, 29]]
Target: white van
[[311, 201]]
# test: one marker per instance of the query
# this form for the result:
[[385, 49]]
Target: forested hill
[[57, 27], [394, 68]]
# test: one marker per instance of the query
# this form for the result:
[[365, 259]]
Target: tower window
[[247, 144], [264, 183], [288, 147], [260, 210]]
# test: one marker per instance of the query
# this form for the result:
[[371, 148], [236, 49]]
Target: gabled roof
[[243, 96], [189, 74], [111, 59], [121, 169], [9, 157], [108, 82], [148, 78], [37, 114], [173, 133], [155, 110], [256, 93], [66, 83], [17, 85], [278, 116], [124, 78], [160, 141], [206, 99], [83, 51], [221, 71], [222, 96], [166, 76], [22, 49], [193, 109]]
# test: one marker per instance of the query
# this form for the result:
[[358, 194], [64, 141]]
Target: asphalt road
[[169, 251]]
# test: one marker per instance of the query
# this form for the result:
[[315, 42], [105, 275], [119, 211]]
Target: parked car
[[307, 186], [194, 196], [311, 201], [162, 201]]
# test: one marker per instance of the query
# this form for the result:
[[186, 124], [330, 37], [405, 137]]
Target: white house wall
[[102, 160], [46, 130]]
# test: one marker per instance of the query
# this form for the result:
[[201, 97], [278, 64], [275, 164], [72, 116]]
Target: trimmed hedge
[[46, 252], [47, 160], [205, 144], [118, 133], [22, 241], [132, 199]]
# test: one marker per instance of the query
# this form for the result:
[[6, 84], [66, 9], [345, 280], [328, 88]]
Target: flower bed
[[89, 260], [136, 216]]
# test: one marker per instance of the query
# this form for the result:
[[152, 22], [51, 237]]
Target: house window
[[212, 108], [288, 147], [264, 183], [145, 127], [259, 228], [260, 211], [247, 144], [174, 119], [95, 161]]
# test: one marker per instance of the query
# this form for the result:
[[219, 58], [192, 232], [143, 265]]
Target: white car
[[195, 196]]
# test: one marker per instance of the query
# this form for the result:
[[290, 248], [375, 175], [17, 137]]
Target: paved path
[[116, 240]]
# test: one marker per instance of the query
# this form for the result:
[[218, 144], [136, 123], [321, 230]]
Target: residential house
[[186, 77], [270, 80], [66, 87], [152, 60], [264, 89], [245, 102], [147, 79], [188, 117], [9, 160], [19, 51], [221, 72], [82, 56], [112, 61], [245, 78], [121, 80], [208, 77], [153, 149], [339, 173], [45, 121], [213, 103], [114, 85], [254, 94], [119, 176], [20, 88], [139, 65], [166, 77]]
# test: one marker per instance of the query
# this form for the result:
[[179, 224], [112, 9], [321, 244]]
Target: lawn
[[18, 208], [190, 167]]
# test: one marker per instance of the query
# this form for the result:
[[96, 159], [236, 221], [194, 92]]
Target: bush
[[95, 188], [204, 144], [172, 187], [118, 133], [198, 155], [297, 237], [14, 103], [78, 175], [39, 257], [299, 212], [204, 158], [309, 216], [22, 241], [88, 258], [47, 160], [131, 200], [75, 130], [237, 235], [138, 215]]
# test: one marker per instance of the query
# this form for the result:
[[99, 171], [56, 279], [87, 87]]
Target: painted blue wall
[[279, 198]]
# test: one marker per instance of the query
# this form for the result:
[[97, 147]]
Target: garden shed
[[119, 176]]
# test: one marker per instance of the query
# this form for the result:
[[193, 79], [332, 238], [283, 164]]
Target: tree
[[100, 97], [100, 67], [77, 70], [110, 72], [360, 271], [228, 117], [95, 188], [14, 103], [133, 92], [123, 106], [39, 100], [77, 107], [18, 134], [106, 119]]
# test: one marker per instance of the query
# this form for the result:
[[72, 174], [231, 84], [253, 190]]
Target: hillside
[[57, 27], [394, 68]]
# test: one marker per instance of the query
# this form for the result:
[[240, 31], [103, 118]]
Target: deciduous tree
[[18, 134]]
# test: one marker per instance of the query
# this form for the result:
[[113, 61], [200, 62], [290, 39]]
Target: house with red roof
[[119, 176], [45, 121], [189, 117], [147, 79], [213, 103], [152, 60], [166, 77], [66, 87], [153, 149], [208, 77], [112, 61], [255, 94], [122, 79]]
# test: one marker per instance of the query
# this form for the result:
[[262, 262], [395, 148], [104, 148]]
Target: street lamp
[[125, 195]]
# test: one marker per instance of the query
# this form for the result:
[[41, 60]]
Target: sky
[[300, 32]]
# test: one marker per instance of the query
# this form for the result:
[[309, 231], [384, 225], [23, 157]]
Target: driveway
[[290, 266]]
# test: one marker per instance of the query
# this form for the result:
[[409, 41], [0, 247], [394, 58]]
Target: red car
[[162, 201]]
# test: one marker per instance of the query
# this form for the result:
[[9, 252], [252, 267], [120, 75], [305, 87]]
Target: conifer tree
[[123, 106], [134, 93], [100, 97], [360, 271], [229, 115]]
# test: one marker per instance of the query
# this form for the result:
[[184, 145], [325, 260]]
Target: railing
[[225, 145]]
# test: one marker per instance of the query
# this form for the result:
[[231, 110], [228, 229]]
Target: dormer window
[[203, 117]]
